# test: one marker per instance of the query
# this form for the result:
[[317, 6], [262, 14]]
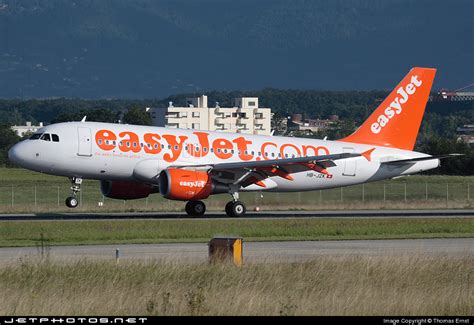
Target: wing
[[247, 173]]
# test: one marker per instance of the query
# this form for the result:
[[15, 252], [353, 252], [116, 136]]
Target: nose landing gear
[[72, 201]]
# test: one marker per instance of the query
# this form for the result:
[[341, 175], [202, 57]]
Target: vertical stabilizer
[[396, 122]]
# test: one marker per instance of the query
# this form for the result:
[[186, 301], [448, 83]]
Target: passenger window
[[46, 137], [55, 137], [36, 136]]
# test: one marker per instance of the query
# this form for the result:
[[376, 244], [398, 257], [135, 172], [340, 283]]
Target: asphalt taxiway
[[286, 251], [448, 213]]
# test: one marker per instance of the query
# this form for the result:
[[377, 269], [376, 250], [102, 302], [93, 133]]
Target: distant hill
[[151, 49]]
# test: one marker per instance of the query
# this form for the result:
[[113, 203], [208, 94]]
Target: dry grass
[[347, 285]]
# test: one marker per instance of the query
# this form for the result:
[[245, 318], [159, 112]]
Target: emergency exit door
[[350, 164]]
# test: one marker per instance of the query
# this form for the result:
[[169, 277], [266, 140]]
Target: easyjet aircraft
[[133, 161]]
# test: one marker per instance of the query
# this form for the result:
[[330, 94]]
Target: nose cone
[[17, 154]]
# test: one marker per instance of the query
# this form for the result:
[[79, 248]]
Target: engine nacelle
[[187, 185], [125, 190]]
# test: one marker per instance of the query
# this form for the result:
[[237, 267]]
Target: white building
[[245, 117], [21, 130]]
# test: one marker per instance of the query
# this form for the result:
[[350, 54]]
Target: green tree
[[7, 139], [95, 115], [137, 116], [450, 166]]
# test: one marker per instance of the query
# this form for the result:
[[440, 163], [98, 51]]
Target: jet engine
[[188, 185], [126, 190]]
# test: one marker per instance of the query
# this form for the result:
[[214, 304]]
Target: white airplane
[[134, 161]]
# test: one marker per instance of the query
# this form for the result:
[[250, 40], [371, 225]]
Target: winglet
[[83, 119]]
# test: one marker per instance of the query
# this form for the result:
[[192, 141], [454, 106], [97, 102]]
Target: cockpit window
[[46, 137], [55, 137], [36, 136]]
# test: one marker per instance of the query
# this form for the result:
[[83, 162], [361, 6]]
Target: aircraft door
[[350, 165], [85, 142]]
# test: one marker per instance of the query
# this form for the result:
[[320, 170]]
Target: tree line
[[437, 134]]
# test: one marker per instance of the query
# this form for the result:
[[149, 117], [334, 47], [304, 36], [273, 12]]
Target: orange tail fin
[[395, 123]]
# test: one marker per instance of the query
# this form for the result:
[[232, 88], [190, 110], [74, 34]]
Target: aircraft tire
[[235, 209], [228, 208], [72, 202], [195, 208]]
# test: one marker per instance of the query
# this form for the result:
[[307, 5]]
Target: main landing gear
[[72, 201], [233, 209], [195, 208]]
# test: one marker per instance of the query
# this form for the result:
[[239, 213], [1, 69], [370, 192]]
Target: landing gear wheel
[[235, 209], [72, 202], [228, 208], [195, 208]]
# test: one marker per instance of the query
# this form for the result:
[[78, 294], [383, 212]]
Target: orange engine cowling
[[126, 190], [187, 185]]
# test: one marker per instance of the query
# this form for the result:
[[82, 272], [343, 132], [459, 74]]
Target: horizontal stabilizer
[[414, 160]]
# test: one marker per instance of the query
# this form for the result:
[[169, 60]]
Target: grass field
[[31, 233], [26, 191], [348, 285]]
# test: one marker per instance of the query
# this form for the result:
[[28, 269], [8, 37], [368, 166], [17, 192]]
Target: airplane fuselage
[[121, 152]]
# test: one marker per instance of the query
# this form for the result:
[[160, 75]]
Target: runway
[[451, 213], [254, 252]]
